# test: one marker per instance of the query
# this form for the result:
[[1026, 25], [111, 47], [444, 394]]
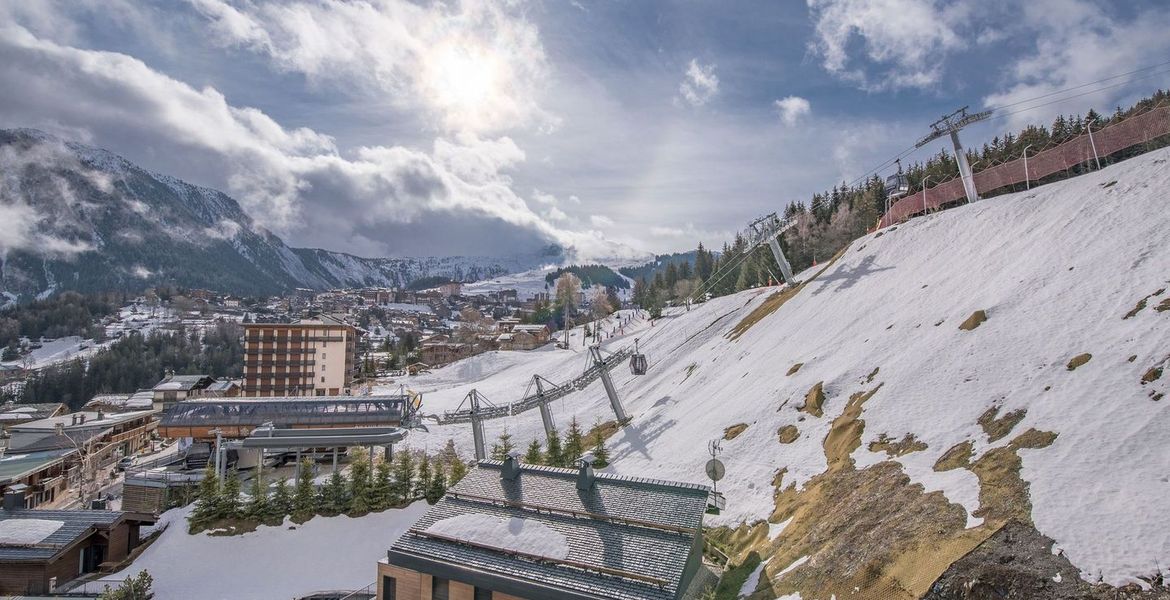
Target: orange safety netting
[[1135, 130]]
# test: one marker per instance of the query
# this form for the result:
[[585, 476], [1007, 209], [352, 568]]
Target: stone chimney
[[59, 428], [100, 415], [511, 468], [585, 477], [81, 419], [74, 418]]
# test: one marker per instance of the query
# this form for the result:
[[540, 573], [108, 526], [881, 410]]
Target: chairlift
[[637, 361], [897, 185]]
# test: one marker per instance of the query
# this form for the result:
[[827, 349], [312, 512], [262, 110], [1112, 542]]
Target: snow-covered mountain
[[82, 218], [972, 402]]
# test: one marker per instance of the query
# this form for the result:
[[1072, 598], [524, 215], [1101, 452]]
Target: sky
[[611, 128]]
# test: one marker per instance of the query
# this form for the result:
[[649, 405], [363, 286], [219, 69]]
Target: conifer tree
[[382, 487], [555, 455], [257, 508], [230, 496], [403, 478], [437, 486], [600, 452], [424, 477], [333, 498], [458, 471], [501, 449], [281, 503], [533, 456], [359, 485], [303, 498], [574, 443], [207, 505]]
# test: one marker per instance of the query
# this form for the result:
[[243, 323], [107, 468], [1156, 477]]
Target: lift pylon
[[951, 125], [475, 402], [542, 403], [618, 410], [768, 229]]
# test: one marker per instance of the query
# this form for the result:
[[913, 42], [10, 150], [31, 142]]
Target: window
[[389, 588], [439, 589], [322, 379], [482, 594], [322, 356]]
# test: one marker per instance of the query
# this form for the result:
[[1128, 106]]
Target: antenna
[[715, 472], [951, 125]]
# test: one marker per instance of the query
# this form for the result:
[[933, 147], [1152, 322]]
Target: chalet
[[12, 413], [36, 478], [540, 333], [438, 353], [509, 531], [176, 388], [140, 400], [42, 549], [101, 436]]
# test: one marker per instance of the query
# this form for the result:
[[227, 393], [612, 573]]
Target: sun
[[463, 81]]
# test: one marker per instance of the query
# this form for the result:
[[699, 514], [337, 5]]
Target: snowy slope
[[325, 553], [1056, 269]]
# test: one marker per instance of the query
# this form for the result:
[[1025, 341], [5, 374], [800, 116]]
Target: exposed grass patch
[[909, 443], [1078, 361], [1003, 494], [1141, 304], [814, 400], [1163, 306], [997, 429], [1109, 184], [734, 578], [733, 432], [976, 319], [776, 300], [794, 368], [690, 370], [957, 457], [1152, 375], [845, 435], [788, 434], [606, 428], [872, 374]]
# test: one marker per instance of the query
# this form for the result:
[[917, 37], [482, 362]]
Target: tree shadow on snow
[[638, 437], [846, 277]]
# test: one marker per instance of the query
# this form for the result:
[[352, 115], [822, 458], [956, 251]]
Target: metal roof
[[14, 466], [75, 525], [628, 538], [285, 411]]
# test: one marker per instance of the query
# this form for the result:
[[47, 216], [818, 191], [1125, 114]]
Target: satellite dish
[[715, 469]]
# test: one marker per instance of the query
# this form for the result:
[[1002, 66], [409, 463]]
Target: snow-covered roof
[[24, 532]]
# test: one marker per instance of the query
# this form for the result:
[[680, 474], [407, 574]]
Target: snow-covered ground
[[289, 561], [1056, 269], [527, 284], [55, 351]]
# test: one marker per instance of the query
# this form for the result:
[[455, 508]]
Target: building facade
[[308, 358]]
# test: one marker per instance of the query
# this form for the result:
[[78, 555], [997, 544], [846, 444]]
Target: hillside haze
[[85, 219]]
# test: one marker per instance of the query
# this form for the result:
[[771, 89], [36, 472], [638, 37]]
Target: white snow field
[[325, 553], [1056, 269]]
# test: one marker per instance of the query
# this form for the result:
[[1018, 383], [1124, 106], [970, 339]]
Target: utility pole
[[951, 125]]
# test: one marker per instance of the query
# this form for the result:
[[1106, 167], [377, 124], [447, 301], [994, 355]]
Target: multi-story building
[[312, 357]]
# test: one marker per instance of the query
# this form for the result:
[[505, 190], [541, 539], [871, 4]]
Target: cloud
[[53, 225], [792, 108], [700, 84], [1075, 42], [472, 66], [601, 221], [376, 200], [885, 44]]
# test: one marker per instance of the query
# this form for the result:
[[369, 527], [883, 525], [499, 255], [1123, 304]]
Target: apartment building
[[311, 357]]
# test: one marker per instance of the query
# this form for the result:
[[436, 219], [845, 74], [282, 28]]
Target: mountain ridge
[[87, 219]]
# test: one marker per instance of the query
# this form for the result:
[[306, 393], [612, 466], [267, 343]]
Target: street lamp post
[[1027, 178]]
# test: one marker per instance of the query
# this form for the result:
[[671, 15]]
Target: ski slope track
[[1056, 269]]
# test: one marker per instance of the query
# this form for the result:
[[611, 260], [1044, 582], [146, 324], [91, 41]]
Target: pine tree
[[424, 477], [600, 452], [403, 477], [281, 503], [458, 471], [555, 455], [304, 502], [437, 486], [136, 587], [333, 498], [382, 488], [207, 501], [359, 485], [533, 456], [501, 449], [257, 508], [230, 498], [574, 443]]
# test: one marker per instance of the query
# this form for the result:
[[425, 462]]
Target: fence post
[[1089, 128]]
